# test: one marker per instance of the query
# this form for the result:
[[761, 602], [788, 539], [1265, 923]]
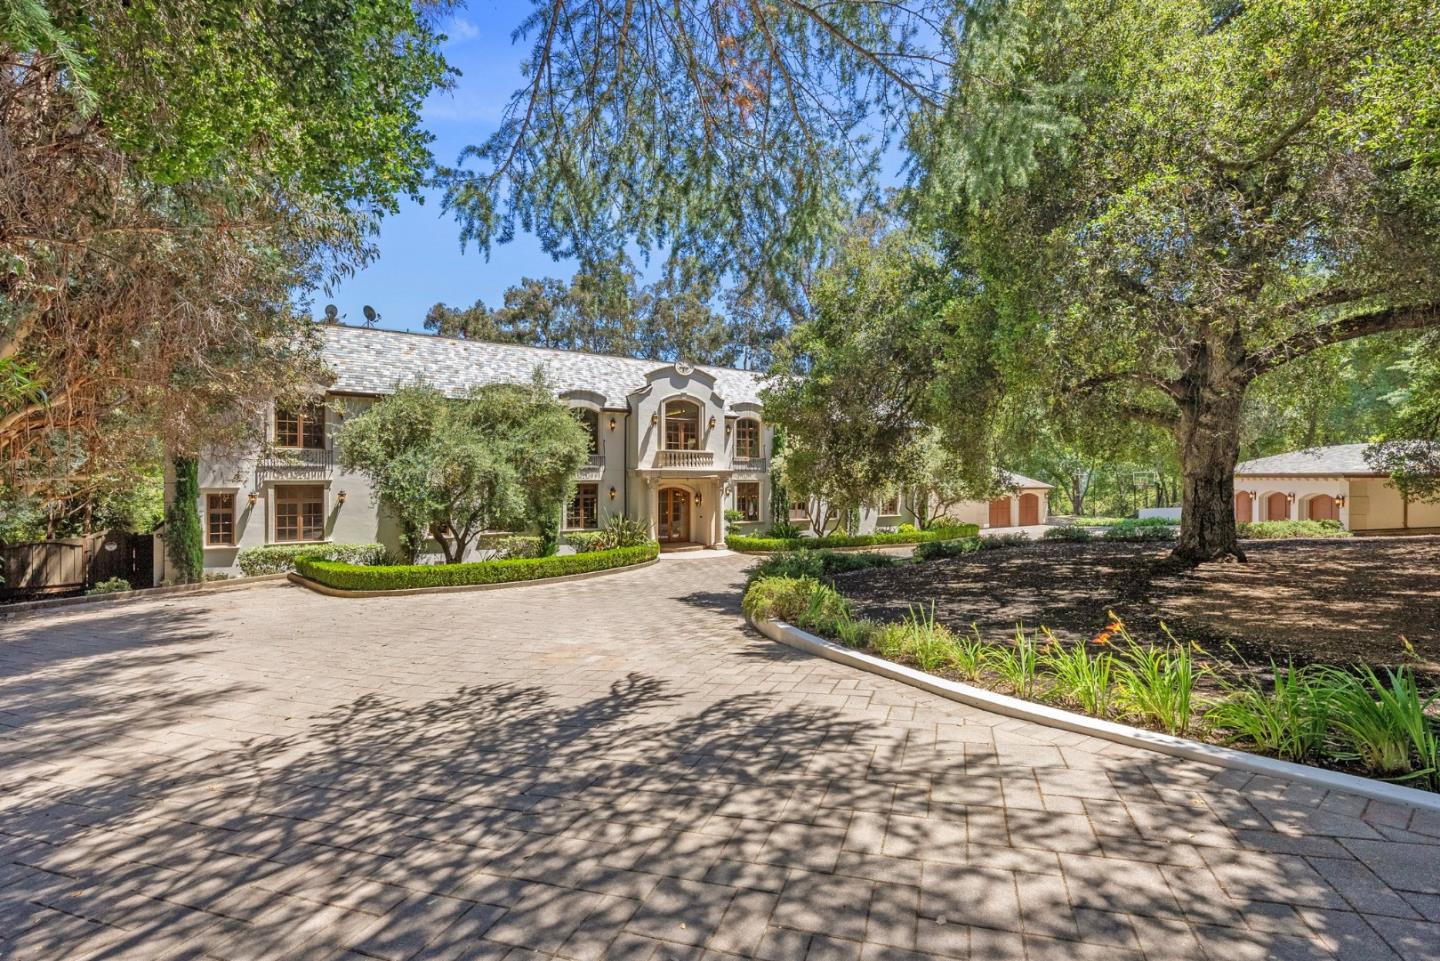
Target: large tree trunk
[[1208, 433]]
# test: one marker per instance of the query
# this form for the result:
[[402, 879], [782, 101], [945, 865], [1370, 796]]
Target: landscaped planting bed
[[764, 545], [352, 577], [1380, 724], [1368, 599]]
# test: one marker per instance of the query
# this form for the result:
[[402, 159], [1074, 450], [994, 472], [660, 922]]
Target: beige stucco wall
[[631, 443], [1371, 503]]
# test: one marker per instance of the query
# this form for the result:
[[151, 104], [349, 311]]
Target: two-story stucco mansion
[[672, 444]]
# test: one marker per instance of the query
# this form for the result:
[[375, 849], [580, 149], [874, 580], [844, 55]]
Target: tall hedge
[[183, 543]]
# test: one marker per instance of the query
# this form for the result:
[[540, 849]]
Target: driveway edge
[[20, 608], [328, 591], [1015, 707]]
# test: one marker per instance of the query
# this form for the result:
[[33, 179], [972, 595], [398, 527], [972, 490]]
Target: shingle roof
[[1021, 481], [373, 361], [1339, 459]]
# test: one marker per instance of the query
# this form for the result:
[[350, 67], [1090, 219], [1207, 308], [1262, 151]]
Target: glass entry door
[[674, 520]]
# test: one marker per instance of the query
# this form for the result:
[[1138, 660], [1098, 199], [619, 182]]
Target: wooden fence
[[73, 564]]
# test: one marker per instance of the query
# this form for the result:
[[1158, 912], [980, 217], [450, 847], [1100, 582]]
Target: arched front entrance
[[1277, 507], [1029, 510], [1000, 512], [1323, 508], [673, 520], [1244, 507]]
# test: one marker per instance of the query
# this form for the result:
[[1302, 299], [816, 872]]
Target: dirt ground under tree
[[1334, 601]]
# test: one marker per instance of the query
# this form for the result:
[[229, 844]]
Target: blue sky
[[420, 259]]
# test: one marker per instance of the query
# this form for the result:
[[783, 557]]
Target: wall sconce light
[[1290, 497], [340, 497], [612, 493], [697, 500], [612, 421], [712, 421], [252, 498], [654, 419], [1340, 501]]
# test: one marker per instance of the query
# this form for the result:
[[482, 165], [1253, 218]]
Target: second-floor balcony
[[592, 468], [685, 459], [750, 465], [294, 463]]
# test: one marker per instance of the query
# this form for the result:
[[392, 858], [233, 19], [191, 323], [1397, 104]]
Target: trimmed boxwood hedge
[[279, 558], [765, 545], [352, 577]]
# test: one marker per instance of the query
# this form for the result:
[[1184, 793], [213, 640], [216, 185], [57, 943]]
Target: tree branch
[[1377, 321]]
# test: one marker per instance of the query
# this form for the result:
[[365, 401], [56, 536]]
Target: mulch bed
[[1335, 601]]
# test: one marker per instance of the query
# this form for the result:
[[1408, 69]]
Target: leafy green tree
[[1171, 200], [737, 134], [503, 457], [178, 176], [854, 387], [1409, 451]]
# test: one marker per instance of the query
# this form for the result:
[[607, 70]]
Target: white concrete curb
[[1095, 727]]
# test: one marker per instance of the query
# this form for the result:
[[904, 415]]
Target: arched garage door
[[1029, 510], [1277, 508], [1323, 508], [1000, 512], [1243, 508]]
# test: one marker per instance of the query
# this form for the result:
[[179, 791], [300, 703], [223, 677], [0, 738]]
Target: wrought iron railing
[[294, 463], [593, 468]]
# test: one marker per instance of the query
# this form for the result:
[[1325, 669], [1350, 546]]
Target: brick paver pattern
[[620, 768]]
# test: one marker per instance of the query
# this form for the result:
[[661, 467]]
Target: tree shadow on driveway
[[645, 822]]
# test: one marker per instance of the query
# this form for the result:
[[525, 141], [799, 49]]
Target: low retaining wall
[[27, 607], [1108, 730]]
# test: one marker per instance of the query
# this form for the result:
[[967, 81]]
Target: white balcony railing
[[684, 458]]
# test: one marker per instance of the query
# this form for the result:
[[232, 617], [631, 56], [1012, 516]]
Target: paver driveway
[[618, 768]]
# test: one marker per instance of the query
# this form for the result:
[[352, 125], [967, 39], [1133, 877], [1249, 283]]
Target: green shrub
[[1156, 684], [113, 585], [802, 601], [1080, 676], [907, 529], [1150, 529], [1281, 530], [1290, 720], [394, 577], [1068, 533], [584, 541], [760, 545], [1017, 664], [821, 565], [280, 558], [960, 546], [784, 530], [183, 543], [1384, 725], [518, 546], [617, 532]]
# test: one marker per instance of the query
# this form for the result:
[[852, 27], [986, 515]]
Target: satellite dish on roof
[[371, 317], [332, 314]]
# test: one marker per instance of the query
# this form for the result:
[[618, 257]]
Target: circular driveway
[[619, 768]]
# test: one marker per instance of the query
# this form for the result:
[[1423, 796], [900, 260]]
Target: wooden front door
[[1322, 508], [1000, 512], [1277, 507], [1029, 510], [1242, 507], [674, 520]]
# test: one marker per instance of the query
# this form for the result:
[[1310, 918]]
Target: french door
[[674, 519]]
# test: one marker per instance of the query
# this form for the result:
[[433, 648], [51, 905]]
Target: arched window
[[747, 439], [591, 422], [682, 425]]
